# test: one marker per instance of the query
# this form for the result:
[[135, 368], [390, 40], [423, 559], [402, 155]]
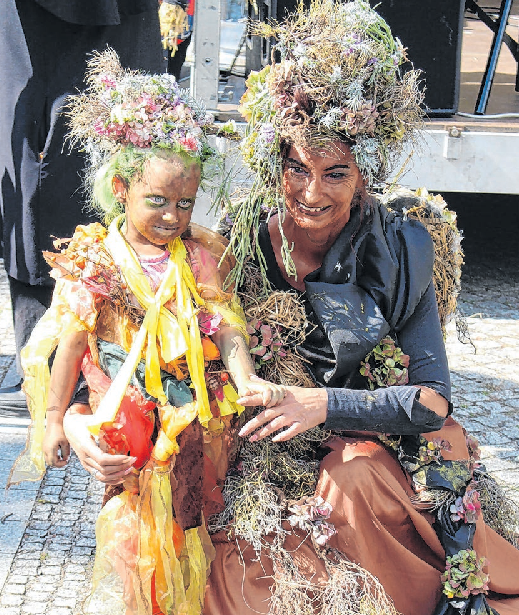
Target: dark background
[[490, 225]]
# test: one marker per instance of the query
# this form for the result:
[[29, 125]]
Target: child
[[140, 310]]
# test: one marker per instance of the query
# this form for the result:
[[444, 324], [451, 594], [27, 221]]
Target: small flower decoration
[[209, 323], [468, 507], [431, 451], [123, 108], [386, 365], [265, 342], [311, 514], [464, 575]]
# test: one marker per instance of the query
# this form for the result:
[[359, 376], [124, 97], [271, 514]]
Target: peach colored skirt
[[377, 528]]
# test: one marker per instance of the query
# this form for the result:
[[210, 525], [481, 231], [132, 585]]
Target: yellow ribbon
[[176, 336]]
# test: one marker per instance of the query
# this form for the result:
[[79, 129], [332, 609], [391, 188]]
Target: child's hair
[[125, 117], [128, 163]]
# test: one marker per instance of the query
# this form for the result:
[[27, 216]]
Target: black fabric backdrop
[[42, 60]]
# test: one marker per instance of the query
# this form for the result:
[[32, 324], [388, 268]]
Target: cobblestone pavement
[[47, 537]]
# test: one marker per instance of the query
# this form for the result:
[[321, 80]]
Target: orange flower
[[211, 352]]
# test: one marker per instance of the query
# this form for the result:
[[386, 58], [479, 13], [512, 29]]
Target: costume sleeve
[[397, 409], [71, 310], [422, 339]]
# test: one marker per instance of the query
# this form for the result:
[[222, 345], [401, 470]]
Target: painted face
[[159, 204], [319, 186]]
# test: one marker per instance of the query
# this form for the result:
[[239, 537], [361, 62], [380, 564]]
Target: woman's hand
[[263, 393], [109, 469], [300, 410]]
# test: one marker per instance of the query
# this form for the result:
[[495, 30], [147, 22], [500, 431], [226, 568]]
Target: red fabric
[[130, 433]]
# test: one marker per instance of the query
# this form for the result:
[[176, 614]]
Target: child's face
[[159, 204]]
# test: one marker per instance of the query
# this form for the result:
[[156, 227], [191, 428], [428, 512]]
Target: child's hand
[[109, 469], [258, 392], [56, 448]]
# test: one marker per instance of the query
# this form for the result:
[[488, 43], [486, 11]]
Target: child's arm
[[236, 356], [63, 378]]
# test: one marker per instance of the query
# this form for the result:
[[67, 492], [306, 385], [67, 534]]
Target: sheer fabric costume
[[375, 281], [149, 325]]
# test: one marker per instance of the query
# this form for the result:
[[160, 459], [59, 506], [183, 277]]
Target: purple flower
[[268, 133]]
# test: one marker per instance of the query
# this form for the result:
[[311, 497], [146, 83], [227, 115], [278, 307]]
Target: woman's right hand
[[300, 410], [109, 469]]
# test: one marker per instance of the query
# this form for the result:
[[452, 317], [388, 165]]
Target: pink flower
[[108, 82], [209, 323], [188, 142]]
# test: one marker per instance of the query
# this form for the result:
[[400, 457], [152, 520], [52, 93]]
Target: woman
[[324, 124]]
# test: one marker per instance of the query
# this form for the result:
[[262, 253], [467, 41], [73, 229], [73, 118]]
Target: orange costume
[[149, 351]]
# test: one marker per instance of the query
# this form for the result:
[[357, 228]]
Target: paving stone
[[51, 490], [65, 602], [48, 579], [18, 579], [34, 595], [43, 587], [10, 600], [14, 588], [34, 608], [74, 569], [19, 568]]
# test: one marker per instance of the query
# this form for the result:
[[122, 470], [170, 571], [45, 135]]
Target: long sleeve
[[397, 409]]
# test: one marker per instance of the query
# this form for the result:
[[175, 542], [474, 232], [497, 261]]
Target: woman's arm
[[416, 408], [63, 378]]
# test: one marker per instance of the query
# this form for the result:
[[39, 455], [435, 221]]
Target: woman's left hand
[[300, 410]]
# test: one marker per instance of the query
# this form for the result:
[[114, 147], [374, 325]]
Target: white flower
[[331, 117], [300, 49], [336, 74]]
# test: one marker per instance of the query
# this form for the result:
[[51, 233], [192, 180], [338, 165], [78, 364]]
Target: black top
[[374, 281], [96, 12]]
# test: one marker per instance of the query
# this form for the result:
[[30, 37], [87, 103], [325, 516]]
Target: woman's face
[[319, 186], [159, 204]]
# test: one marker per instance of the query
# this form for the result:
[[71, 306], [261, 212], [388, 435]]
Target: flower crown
[[122, 107], [338, 77]]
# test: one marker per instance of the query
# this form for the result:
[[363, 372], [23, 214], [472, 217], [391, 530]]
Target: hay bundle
[[500, 512], [284, 313], [440, 222], [349, 590]]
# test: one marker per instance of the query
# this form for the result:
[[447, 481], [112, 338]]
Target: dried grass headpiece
[[125, 117], [339, 77]]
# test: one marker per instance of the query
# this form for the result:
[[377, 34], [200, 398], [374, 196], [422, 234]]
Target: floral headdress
[[338, 76], [124, 117], [122, 107]]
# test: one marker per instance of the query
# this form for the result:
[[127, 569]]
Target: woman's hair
[[127, 163], [337, 75]]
